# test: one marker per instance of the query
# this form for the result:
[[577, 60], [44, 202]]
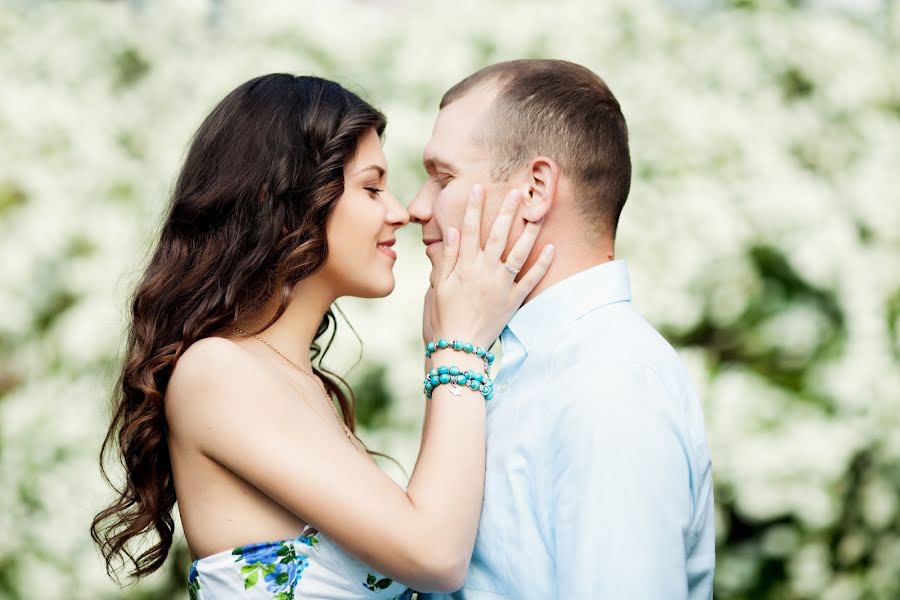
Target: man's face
[[455, 163]]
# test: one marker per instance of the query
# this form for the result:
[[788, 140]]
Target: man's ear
[[541, 192]]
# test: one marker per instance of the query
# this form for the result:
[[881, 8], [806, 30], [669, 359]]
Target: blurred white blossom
[[762, 233]]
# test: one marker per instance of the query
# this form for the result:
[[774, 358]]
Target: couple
[[582, 471]]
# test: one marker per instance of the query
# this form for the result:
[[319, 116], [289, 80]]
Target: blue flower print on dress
[[263, 553], [285, 576], [277, 564], [193, 583]]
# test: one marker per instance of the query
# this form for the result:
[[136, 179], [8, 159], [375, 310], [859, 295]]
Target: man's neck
[[566, 263]]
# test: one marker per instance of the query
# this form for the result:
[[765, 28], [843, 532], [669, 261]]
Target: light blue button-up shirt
[[598, 474]]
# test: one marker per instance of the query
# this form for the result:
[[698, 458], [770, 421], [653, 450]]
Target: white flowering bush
[[762, 232]]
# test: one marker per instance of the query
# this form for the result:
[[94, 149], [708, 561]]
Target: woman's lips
[[385, 248]]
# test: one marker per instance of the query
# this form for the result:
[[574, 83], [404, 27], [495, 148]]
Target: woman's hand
[[475, 293]]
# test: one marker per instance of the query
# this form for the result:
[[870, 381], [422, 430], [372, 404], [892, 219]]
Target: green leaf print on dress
[[373, 584]]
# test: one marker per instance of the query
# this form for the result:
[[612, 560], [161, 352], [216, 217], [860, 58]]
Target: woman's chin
[[380, 289], [384, 293]]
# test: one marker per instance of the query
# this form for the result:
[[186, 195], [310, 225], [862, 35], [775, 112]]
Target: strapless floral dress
[[306, 567]]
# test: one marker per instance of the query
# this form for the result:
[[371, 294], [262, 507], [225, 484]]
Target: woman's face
[[361, 228]]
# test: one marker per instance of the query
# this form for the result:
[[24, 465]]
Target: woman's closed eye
[[375, 192]]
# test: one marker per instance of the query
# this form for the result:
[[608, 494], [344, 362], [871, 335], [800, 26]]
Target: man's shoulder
[[612, 339], [615, 369], [614, 364]]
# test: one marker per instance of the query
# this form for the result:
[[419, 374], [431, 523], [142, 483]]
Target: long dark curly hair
[[246, 221]]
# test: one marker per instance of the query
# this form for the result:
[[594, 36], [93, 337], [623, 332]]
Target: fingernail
[[549, 249], [451, 235], [515, 195], [476, 191]]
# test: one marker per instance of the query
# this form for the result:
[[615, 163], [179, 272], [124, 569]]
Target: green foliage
[[795, 84], [737, 342], [130, 66], [892, 317], [11, 197], [373, 398]]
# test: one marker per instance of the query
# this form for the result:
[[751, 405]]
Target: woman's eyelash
[[374, 190]]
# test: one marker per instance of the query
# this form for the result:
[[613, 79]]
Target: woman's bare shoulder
[[215, 373], [206, 360]]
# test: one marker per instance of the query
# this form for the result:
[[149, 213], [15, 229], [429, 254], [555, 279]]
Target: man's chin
[[433, 258], [433, 252]]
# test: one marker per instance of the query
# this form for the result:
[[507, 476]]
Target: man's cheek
[[444, 222], [452, 206]]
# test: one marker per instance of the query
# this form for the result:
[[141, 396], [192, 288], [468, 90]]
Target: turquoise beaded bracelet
[[453, 376], [441, 344]]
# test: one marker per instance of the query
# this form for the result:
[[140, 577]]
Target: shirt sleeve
[[621, 500]]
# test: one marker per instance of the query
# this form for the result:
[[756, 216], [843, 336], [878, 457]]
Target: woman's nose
[[420, 207], [397, 214]]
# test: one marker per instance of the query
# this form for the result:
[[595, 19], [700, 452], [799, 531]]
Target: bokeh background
[[762, 232]]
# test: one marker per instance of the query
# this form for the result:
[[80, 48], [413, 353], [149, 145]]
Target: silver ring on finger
[[512, 270]]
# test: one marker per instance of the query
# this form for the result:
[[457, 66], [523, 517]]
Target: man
[[598, 474]]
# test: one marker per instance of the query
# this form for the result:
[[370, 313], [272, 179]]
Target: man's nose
[[420, 209]]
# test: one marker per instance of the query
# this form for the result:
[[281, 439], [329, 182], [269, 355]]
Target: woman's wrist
[[448, 356], [459, 345], [456, 335]]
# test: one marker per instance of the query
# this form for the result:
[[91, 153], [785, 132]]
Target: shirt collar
[[568, 301]]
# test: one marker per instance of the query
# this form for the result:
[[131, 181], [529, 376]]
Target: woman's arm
[[260, 430], [256, 427]]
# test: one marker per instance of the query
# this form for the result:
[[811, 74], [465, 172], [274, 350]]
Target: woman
[[279, 210]]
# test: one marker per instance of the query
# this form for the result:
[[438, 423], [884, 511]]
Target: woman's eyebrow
[[378, 168]]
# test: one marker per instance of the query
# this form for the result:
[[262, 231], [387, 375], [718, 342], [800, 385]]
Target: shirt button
[[503, 387]]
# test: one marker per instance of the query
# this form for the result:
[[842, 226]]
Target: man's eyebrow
[[378, 168], [433, 163]]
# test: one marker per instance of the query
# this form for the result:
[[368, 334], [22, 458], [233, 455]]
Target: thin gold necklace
[[312, 376]]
